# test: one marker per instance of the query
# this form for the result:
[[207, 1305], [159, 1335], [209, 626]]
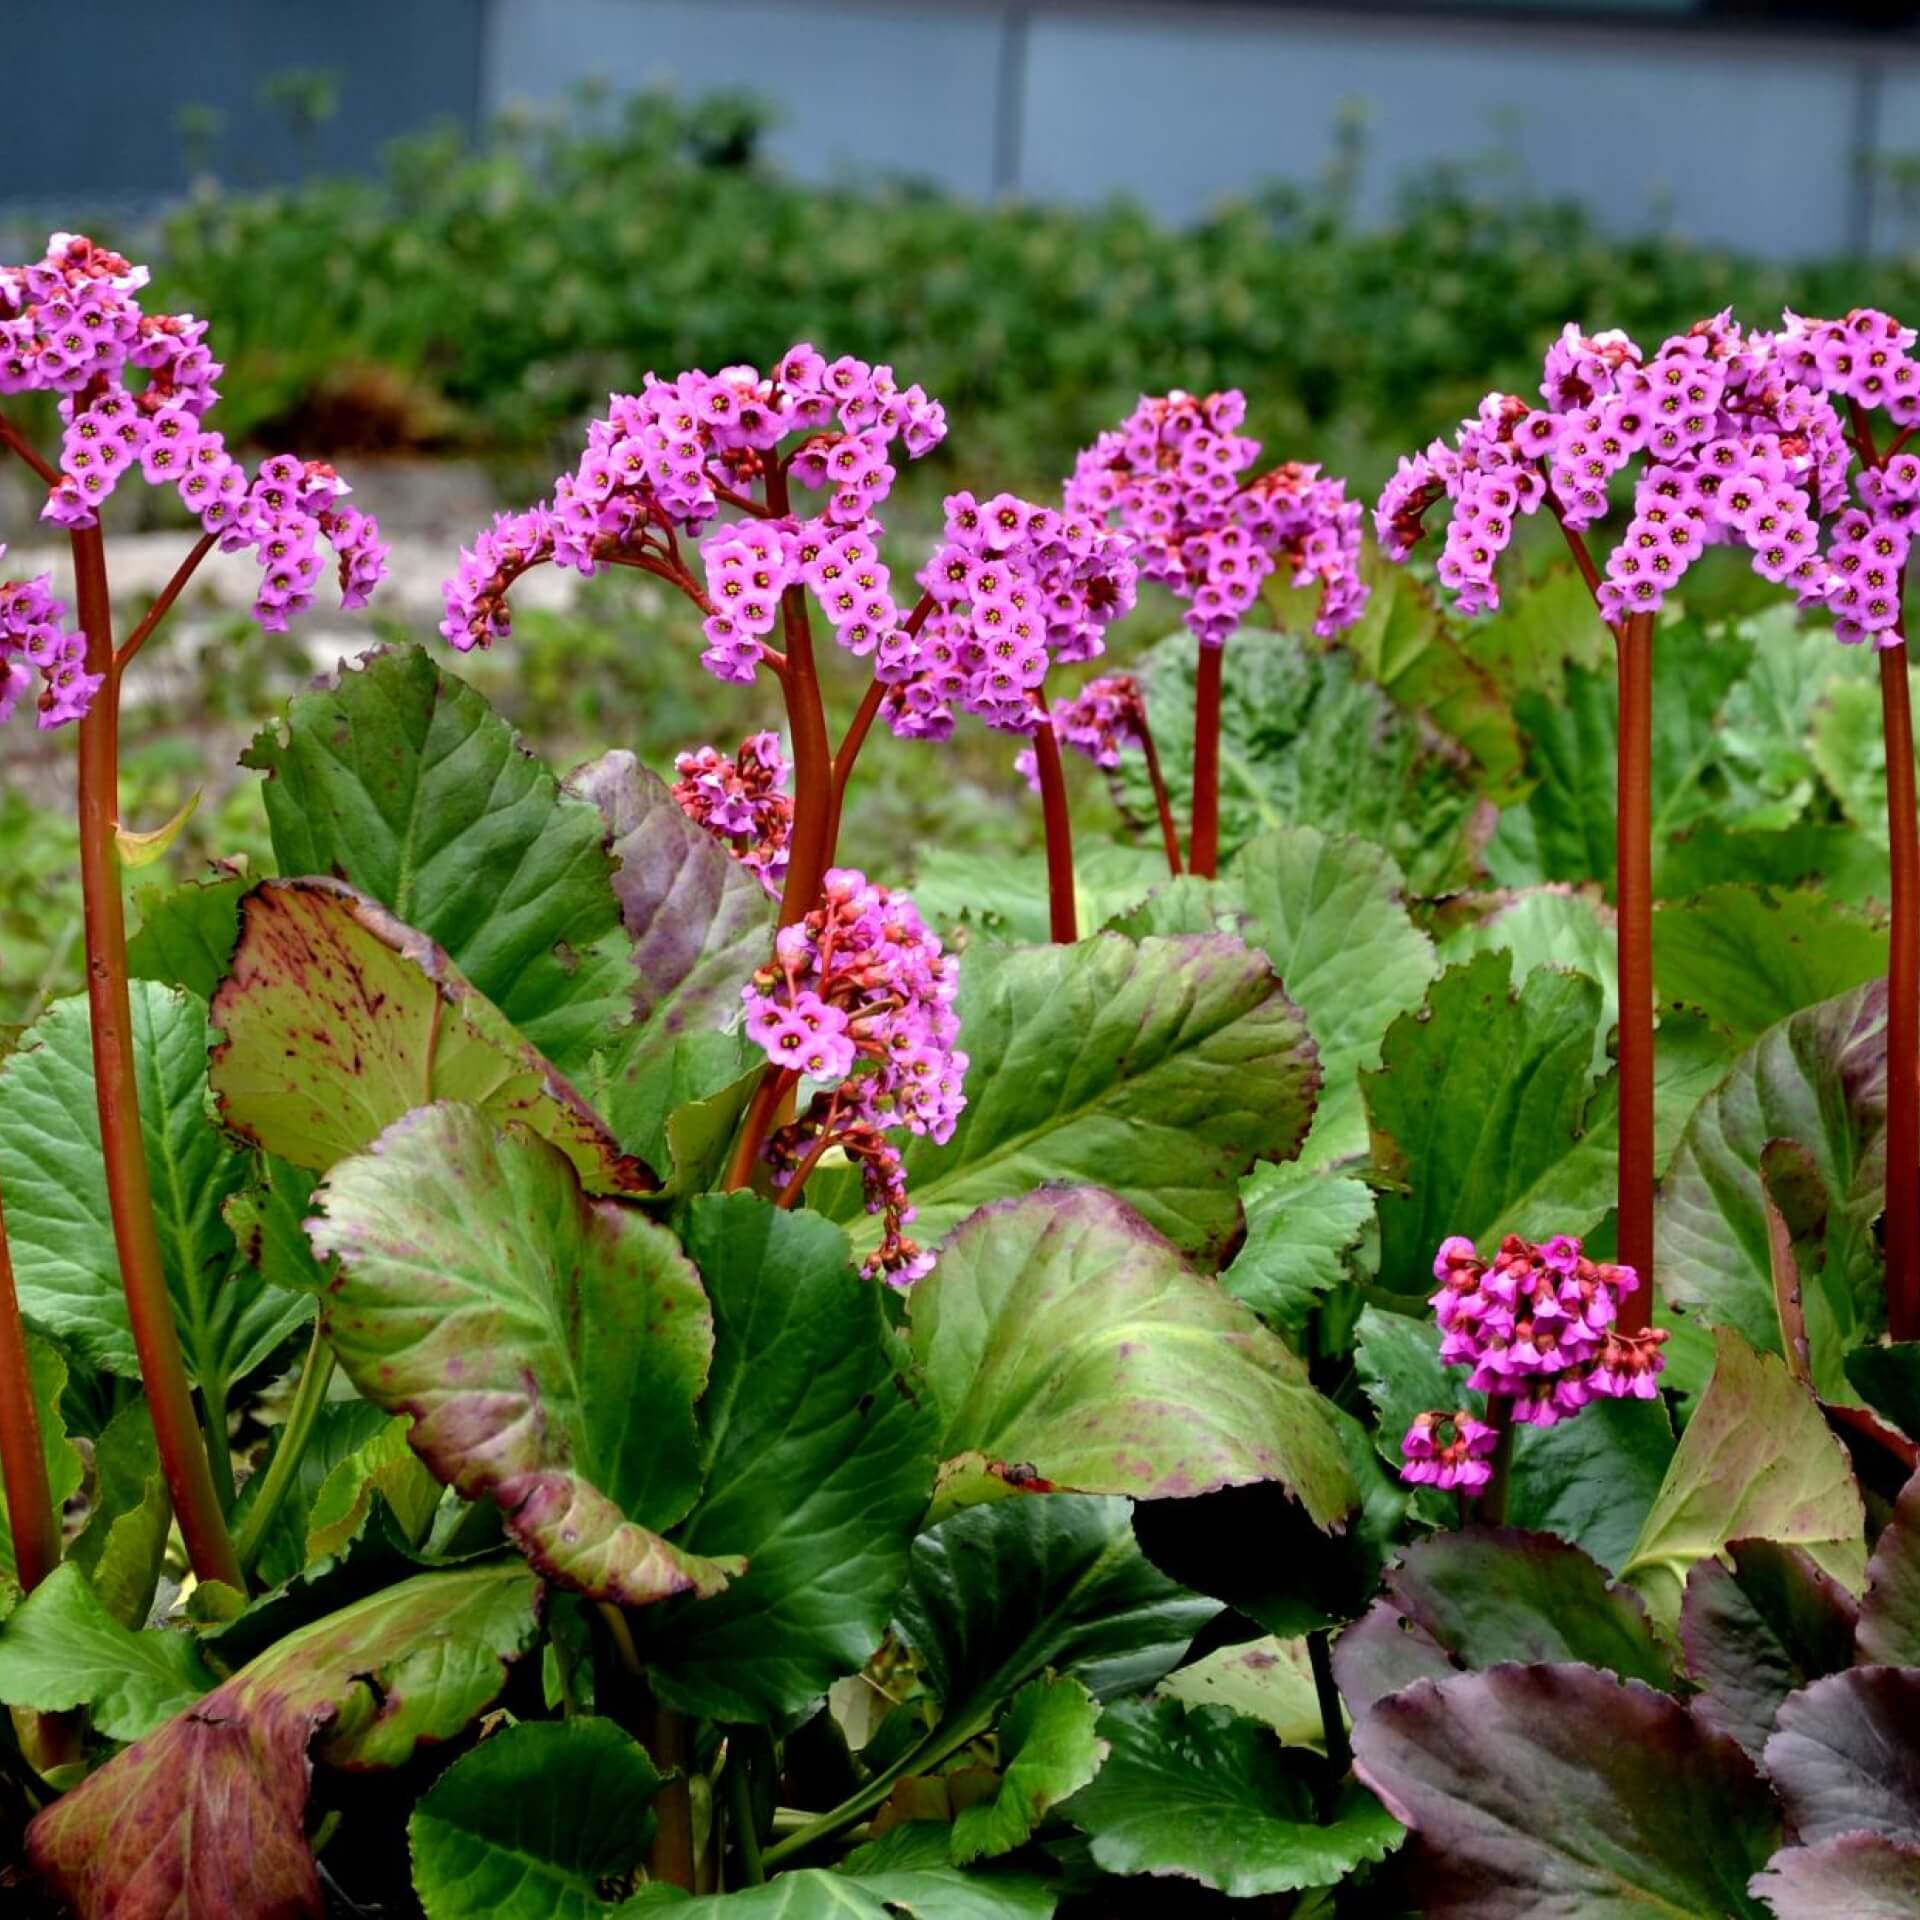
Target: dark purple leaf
[[1890, 1614], [1845, 1755], [1853, 1876]]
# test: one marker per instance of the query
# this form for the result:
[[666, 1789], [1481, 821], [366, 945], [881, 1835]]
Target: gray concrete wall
[[1725, 134]]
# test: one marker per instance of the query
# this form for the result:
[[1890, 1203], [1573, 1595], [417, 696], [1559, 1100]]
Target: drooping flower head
[[1731, 439], [134, 389], [1017, 588], [858, 1004], [1172, 477], [34, 634], [668, 461], [1104, 718], [741, 803], [1449, 1451]]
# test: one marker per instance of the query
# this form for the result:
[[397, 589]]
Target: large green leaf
[[1562, 1790], [1307, 740], [911, 1893], [1197, 1793], [1817, 1080], [1048, 1749], [46, 1381], [1327, 910], [398, 778], [698, 924], [1759, 1626], [1303, 1227], [1764, 753], [338, 1020], [1757, 1461], [1269, 1680], [187, 933], [58, 1218], [1478, 1110], [61, 1648], [818, 1454], [1060, 1330], [1748, 957], [1161, 1071], [215, 1800], [549, 1345], [1850, 749], [1473, 1597], [1529, 644], [529, 1824]]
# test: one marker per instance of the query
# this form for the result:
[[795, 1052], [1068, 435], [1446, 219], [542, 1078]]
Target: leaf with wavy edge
[[1889, 1630], [549, 1344], [1060, 1329], [1563, 1791], [1162, 1071], [1757, 1461], [1853, 1876], [338, 1019], [205, 1818], [1845, 1755], [1048, 1749]]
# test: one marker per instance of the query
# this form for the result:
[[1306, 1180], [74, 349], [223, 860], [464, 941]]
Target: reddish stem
[[808, 850], [1634, 896], [1063, 912], [775, 1084], [1903, 1004], [10, 436], [183, 1454], [1163, 803], [1204, 848], [23, 1460], [163, 605], [843, 761]]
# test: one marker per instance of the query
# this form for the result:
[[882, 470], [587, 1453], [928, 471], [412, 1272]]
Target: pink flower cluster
[[859, 996], [1448, 1450], [1739, 442], [1171, 477], [740, 802], [72, 326], [664, 462], [1103, 717], [34, 633], [1015, 589]]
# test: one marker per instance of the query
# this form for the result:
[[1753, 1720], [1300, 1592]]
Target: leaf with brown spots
[[549, 1344], [338, 1020], [203, 1820]]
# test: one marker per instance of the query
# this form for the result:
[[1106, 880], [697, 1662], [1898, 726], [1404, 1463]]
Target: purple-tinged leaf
[[204, 1820], [339, 1019], [1061, 1330], [1562, 1793], [1759, 1630], [1845, 1755], [1477, 1596], [548, 1344], [1853, 1876], [1889, 1632]]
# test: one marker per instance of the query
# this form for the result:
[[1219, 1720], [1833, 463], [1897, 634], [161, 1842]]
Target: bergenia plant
[[1174, 476], [134, 391], [1720, 438]]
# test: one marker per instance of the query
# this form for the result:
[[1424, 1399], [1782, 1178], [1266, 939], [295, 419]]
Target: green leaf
[[1765, 754], [1197, 1793], [1889, 1627], [1302, 1229], [922, 1893], [818, 1456], [549, 1345], [215, 1800], [60, 1648], [1162, 1071], [46, 1381], [1002, 1593], [1479, 1596], [1757, 1461], [1818, 1079], [124, 1542], [1048, 1750], [1328, 912], [341, 1430], [399, 779], [527, 1825], [269, 1223], [1887, 1378], [1553, 926], [1850, 749], [1059, 1329], [1478, 1109], [1004, 894], [338, 1020], [1748, 957], [1757, 1630], [1651, 1815], [384, 1469], [58, 1218], [1269, 1680], [1864, 1876], [1529, 644], [698, 924], [1307, 741], [186, 933]]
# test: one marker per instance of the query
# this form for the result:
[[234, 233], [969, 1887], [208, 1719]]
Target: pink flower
[[1448, 1450]]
